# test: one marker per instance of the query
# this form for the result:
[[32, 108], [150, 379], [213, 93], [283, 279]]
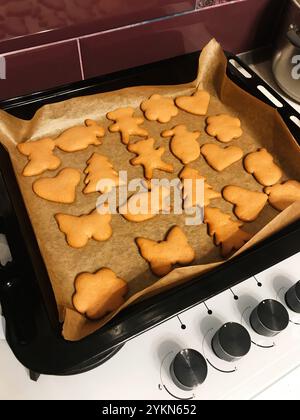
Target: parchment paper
[[262, 126]]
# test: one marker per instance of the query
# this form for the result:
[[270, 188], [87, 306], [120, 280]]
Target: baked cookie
[[79, 229], [190, 195], [40, 156], [163, 255], [80, 137], [262, 166], [159, 108], [141, 207], [219, 158], [100, 175], [247, 204], [283, 195], [149, 157], [224, 127], [225, 232], [96, 295], [60, 189], [184, 144], [196, 104], [126, 124]]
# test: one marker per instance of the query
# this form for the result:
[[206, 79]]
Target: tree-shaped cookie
[[193, 190], [196, 104], [96, 295], [219, 158], [126, 124], [163, 255], [159, 108], [262, 166], [100, 175], [146, 205], [184, 144], [247, 204], [60, 188], [79, 229], [225, 232], [224, 127], [149, 157], [40, 156], [283, 195], [80, 137]]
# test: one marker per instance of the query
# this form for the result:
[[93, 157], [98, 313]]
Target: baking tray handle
[[14, 294]]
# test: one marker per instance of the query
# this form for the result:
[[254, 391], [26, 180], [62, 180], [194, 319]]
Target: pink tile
[[22, 22], [239, 26], [40, 68]]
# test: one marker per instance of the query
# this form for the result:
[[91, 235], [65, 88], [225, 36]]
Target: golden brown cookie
[[149, 157], [100, 169], [40, 156], [262, 166], [247, 204], [126, 124], [80, 137], [96, 295], [225, 231], [196, 104], [224, 127], [283, 195], [79, 229], [219, 158], [61, 188], [159, 108], [163, 255], [140, 207], [191, 198], [184, 144]]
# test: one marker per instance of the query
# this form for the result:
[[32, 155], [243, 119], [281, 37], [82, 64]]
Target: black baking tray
[[33, 330]]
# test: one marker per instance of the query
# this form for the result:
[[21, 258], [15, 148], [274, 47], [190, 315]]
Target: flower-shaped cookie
[[159, 108]]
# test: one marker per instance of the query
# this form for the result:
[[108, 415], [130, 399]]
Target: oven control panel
[[232, 346]]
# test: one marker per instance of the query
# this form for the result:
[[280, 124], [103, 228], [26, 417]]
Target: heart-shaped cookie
[[219, 158], [61, 188], [247, 204], [283, 195], [196, 104]]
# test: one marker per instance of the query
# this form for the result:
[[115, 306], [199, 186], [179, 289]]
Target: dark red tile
[[40, 68], [23, 22], [238, 26]]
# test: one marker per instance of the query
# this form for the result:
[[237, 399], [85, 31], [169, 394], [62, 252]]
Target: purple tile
[[23, 22], [40, 68], [238, 26]]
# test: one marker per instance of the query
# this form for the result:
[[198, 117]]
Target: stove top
[[215, 350]]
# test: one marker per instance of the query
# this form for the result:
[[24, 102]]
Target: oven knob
[[188, 369], [231, 342], [292, 298], [269, 318]]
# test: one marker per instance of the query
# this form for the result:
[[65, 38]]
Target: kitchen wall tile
[[26, 23], [40, 68], [239, 27]]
